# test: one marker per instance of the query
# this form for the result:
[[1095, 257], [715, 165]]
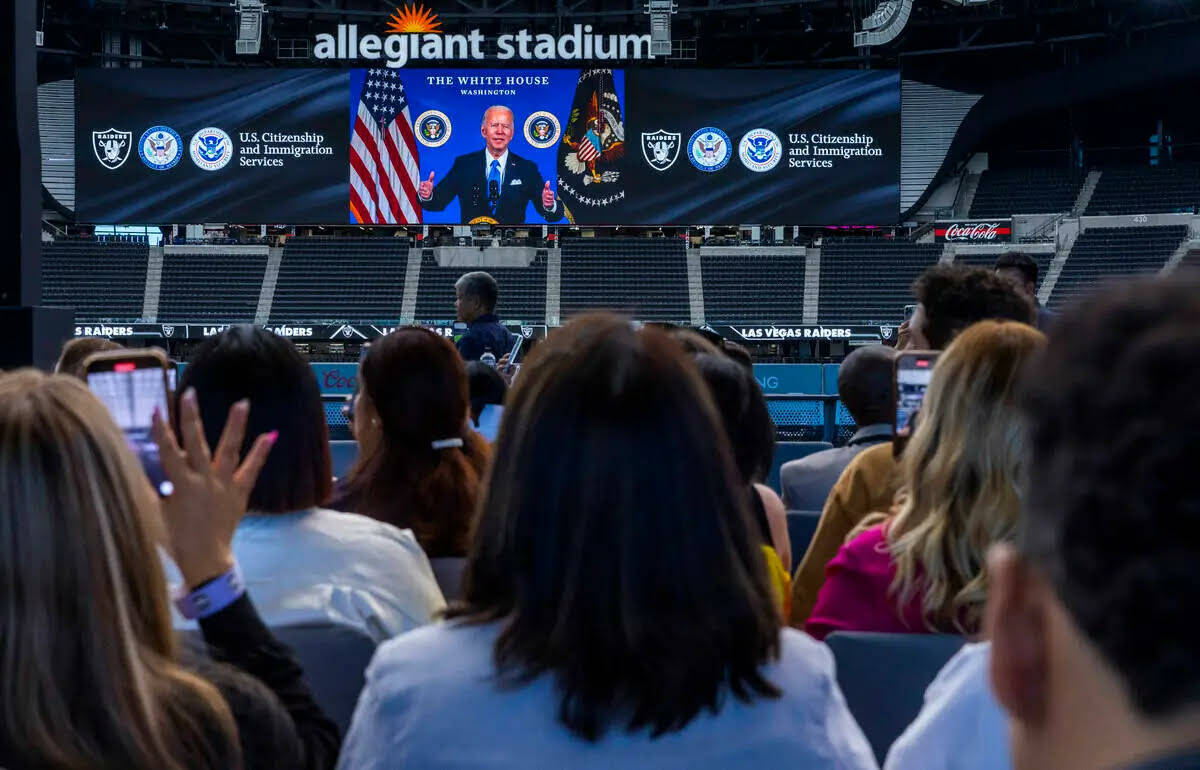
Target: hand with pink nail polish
[[211, 490]]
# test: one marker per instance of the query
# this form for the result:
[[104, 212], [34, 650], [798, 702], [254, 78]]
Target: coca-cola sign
[[984, 231]]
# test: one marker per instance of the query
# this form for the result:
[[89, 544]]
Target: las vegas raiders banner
[[400, 146]]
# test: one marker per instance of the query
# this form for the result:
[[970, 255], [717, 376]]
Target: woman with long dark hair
[[617, 608], [419, 464]]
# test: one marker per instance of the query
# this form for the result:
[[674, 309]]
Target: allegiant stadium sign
[[415, 35]]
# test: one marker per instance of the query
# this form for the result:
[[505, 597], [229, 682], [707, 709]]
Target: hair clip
[[447, 443]]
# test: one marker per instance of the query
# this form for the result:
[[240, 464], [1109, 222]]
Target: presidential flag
[[384, 166], [591, 154]]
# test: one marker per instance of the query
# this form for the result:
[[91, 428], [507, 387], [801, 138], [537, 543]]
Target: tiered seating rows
[[755, 287], [101, 280], [1107, 252], [360, 280], [222, 286], [645, 278], [1147, 190], [522, 290], [1005, 192], [868, 280]]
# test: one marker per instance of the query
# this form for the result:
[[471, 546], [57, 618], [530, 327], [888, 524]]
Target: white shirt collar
[[487, 164]]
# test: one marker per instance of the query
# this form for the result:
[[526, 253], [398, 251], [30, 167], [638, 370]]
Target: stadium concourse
[[772, 382]]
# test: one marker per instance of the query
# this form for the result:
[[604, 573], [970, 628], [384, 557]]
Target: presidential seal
[[433, 128], [112, 147], [760, 150], [709, 149], [211, 149], [159, 148], [542, 130]]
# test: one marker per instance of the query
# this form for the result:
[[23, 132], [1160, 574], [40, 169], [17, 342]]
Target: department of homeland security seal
[[760, 150], [433, 128], [542, 130], [159, 148], [709, 149], [211, 148]]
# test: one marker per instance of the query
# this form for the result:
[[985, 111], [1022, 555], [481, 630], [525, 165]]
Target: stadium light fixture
[[250, 13], [885, 24], [660, 25]]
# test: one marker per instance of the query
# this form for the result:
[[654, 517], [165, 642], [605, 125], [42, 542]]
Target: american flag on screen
[[384, 168]]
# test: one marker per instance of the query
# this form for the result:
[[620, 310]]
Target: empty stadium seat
[[101, 280], [1147, 189], [801, 527], [341, 280], [792, 450], [1004, 192], [868, 280], [342, 454], [522, 290], [643, 277], [884, 677], [334, 658], [757, 286], [218, 285], [1101, 253]]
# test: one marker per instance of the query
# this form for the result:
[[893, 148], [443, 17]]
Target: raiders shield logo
[[660, 149], [112, 147], [168, 331]]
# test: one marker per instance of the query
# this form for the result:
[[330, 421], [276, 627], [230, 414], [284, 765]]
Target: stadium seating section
[[522, 290], [754, 287], [360, 280], [1005, 192], [1147, 190], [987, 260], [103, 281], [868, 280], [644, 277], [1107, 252], [218, 286]]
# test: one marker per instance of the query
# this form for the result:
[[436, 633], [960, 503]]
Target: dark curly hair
[[956, 296], [1113, 510]]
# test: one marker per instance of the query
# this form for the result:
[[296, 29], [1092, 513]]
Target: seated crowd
[[622, 592]]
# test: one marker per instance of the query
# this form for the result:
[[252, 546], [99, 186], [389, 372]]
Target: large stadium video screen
[[496, 146]]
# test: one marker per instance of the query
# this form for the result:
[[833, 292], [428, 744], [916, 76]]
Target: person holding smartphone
[[949, 299], [475, 300]]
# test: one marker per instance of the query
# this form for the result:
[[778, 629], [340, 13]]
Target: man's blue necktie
[[494, 184]]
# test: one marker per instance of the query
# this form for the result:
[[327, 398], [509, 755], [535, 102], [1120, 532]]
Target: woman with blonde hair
[[90, 673], [923, 569]]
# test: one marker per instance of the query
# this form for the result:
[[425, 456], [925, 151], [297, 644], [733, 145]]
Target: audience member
[[950, 298], [419, 466], [1105, 555], [76, 351], [923, 569], [305, 563], [1093, 611], [865, 387], [1022, 270], [475, 300], [90, 671], [617, 611], [751, 433], [487, 390]]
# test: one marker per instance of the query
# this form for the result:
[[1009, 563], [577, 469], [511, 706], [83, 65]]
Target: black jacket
[[483, 334], [467, 181]]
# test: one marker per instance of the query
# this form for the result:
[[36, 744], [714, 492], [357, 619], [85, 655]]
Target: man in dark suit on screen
[[494, 185]]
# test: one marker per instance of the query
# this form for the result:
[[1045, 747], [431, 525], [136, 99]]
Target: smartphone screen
[[913, 372], [512, 354], [132, 387]]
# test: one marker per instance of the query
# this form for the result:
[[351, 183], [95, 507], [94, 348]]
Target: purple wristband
[[213, 596]]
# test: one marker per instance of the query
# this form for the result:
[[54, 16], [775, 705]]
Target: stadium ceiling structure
[[712, 33]]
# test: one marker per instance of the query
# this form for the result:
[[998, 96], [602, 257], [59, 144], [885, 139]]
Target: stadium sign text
[[795, 332], [991, 231], [416, 35]]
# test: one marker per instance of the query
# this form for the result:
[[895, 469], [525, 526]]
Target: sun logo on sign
[[413, 19]]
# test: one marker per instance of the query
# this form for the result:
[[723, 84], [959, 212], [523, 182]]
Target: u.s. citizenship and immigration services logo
[[159, 148], [433, 128], [709, 149], [542, 130], [760, 150], [211, 148], [660, 148], [112, 147]]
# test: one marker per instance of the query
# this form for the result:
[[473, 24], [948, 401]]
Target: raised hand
[[548, 200], [211, 491], [425, 189]]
